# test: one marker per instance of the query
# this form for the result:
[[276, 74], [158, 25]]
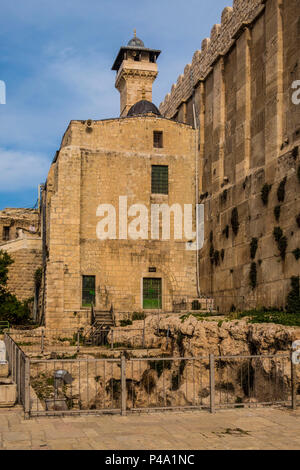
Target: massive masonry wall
[[249, 130], [96, 164], [27, 256]]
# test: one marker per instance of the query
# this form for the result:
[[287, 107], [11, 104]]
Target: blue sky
[[56, 58]]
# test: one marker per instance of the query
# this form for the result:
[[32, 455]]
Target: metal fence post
[[27, 388], [78, 341], [123, 386], [293, 383], [212, 382], [42, 342], [112, 339], [19, 377]]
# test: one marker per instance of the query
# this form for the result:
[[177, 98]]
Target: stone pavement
[[274, 428]]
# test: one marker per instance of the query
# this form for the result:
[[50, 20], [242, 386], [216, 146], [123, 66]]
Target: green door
[[152, 298], [88, 291]]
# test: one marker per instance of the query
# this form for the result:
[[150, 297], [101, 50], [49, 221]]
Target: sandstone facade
[[249, 130]]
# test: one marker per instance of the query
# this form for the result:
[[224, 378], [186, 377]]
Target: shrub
[[277, 212], [11, 309], [281, 190], [265, 193], [138, 316], [281, 241], [224, 196], [124, 323], [226, 231], [296, 253], [235, 221], [253, 276], [293, 299], [253, 247], [217, 257]]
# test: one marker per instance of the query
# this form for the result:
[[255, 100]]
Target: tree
[[11, 309]]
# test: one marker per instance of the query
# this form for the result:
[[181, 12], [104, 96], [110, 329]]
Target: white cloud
[[21, 170]]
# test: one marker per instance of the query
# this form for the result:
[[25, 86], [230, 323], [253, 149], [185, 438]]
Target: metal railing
[[143, 384]]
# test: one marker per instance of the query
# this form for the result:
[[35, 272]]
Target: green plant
[[281, 190], [224, 196], [226, 231], [217, 257], [296, 253], [235, 221], [277, 234], [265, 315], [138, 316], [281, 241], [277, 212], [265, 193], [253, 275], [253, 247], [293, 298], [124, 323]]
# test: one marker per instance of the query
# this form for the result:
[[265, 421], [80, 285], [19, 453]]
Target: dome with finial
[[136, 42], [143, 107]]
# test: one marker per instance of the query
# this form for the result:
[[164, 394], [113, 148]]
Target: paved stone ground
[[229, 429]]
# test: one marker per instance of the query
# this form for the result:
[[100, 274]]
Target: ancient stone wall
[[27, 256], [249, 129]]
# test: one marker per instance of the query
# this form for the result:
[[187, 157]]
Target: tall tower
[[136, 69]]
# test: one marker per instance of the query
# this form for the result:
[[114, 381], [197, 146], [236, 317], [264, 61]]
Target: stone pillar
[[218, 125], [274, 78], [243, 104]]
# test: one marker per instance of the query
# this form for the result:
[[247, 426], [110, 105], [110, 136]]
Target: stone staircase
[[103, 318]]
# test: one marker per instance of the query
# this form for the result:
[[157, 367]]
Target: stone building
[[227, 136], [20, 237], [143, 157]]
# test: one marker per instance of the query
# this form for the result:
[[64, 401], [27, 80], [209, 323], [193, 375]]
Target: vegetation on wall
[[11, 309], [281, 190], [265, 193], [269, 315], [293, 299], [277, 212], [226, 231], [224, 196], [281, 241], [235, 221], [253, 276], [296, 253], [253, 247]]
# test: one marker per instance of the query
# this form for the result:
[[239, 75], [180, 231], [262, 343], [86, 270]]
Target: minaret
[[136, 71]]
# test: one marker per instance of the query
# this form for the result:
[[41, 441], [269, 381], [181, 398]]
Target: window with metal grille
[[88, 290], [158, 140], [160, 179], [152, 297], [5, 235]]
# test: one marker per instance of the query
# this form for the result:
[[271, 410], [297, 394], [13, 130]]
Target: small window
[[152, 298], [160, 179], [88, 291], [5, 235], [157, 139]]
